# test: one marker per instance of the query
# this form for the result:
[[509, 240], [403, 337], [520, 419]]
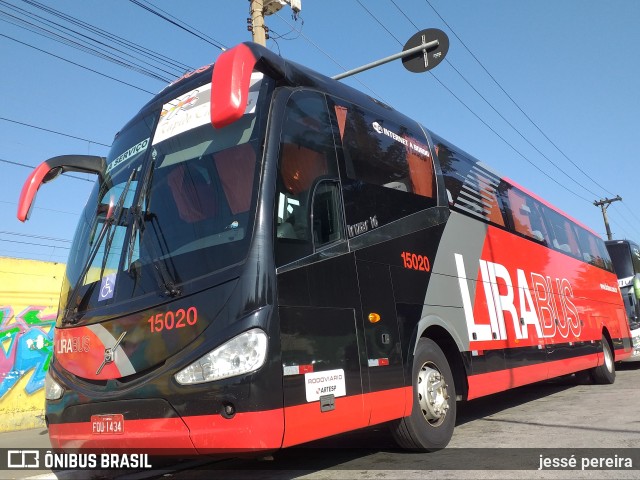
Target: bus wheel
[[433, 414], [605, 374]]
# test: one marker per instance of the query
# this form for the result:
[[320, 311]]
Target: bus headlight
[[242, 354], [52, 389]]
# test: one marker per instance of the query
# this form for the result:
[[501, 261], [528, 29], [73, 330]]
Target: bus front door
[[386, 395], [322, 380]]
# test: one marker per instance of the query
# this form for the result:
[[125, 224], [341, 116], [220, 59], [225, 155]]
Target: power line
[[379, 22], [479, 118], [44, 208], [284, 36], [40, 237], [314, 44], [633, 214], [31, 254], [504, 118], [507, 143], [80, 41], [36, 244], [405, 15], [630, 224], [76, 64], [519, 108], [520, 133], [31, 167], [137, 48], [53, 131], [514, 102], [187, 28]]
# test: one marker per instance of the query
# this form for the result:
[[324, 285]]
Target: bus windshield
[[621, 258], [177, 203]]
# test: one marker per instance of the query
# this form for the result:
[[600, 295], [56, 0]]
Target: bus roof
[[286, 73]]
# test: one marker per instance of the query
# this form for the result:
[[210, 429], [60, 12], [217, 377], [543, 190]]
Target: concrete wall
[[29, 292]]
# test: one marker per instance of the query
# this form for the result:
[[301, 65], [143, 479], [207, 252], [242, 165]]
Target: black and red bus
[[270, 257]]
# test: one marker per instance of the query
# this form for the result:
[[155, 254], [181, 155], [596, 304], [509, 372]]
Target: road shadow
[[486, 406], [628, 366]]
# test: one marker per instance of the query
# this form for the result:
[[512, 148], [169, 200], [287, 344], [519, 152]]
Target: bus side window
[[538, 224], [455, 168], [564, 235], [593, 249], [520, 213], [388, 169], [307, 153]]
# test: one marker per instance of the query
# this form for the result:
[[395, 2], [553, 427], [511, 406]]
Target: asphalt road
[[508, 435]]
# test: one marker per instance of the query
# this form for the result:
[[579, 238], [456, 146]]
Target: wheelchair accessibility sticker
[[106, 287]]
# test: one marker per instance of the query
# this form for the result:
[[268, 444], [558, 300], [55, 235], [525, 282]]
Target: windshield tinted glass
[[178, 204], [621, 258]]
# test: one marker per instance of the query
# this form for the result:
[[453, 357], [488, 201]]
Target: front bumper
[[174, 435]]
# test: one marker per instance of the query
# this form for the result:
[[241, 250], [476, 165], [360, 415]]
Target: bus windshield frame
[[176, 204], [622, 258]]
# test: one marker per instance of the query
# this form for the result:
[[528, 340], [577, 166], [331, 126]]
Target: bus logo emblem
[[109, 354]]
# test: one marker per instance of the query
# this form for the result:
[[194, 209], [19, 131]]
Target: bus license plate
[[107, 424]]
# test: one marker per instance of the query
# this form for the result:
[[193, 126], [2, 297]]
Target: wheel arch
[[434, 328], [607, 336]]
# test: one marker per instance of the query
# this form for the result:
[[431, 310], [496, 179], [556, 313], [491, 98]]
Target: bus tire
[[605, 374], [433, 414]]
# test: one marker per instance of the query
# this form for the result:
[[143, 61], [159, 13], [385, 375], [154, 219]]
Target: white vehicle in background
[[625, 256]]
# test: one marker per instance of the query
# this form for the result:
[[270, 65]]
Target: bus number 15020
[[416, 262], [170, 320]]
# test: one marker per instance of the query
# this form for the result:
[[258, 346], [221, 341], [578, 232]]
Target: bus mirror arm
[[49, 170]]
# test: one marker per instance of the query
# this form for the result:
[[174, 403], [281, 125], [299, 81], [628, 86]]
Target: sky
[[545, 92]]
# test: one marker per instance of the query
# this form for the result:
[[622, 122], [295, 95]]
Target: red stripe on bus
[[188, 435], [306, 422], [244, 431], [249, 431], [389, 404], [139, 435], [622, 353], [501, 380]]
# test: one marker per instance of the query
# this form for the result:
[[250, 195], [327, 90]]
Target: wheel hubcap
[[432, 394]]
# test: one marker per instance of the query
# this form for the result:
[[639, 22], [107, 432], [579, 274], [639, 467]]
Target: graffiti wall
[[29, 293]]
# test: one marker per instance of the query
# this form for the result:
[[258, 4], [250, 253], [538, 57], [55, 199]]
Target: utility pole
[[257, 26], [260, 9], [604, 204]]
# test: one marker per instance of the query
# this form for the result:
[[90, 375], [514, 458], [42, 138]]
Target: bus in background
[[625, 256], [270, 256]]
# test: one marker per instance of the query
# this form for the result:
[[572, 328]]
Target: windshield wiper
[[117, 215], [106, 227], [166, 281]]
